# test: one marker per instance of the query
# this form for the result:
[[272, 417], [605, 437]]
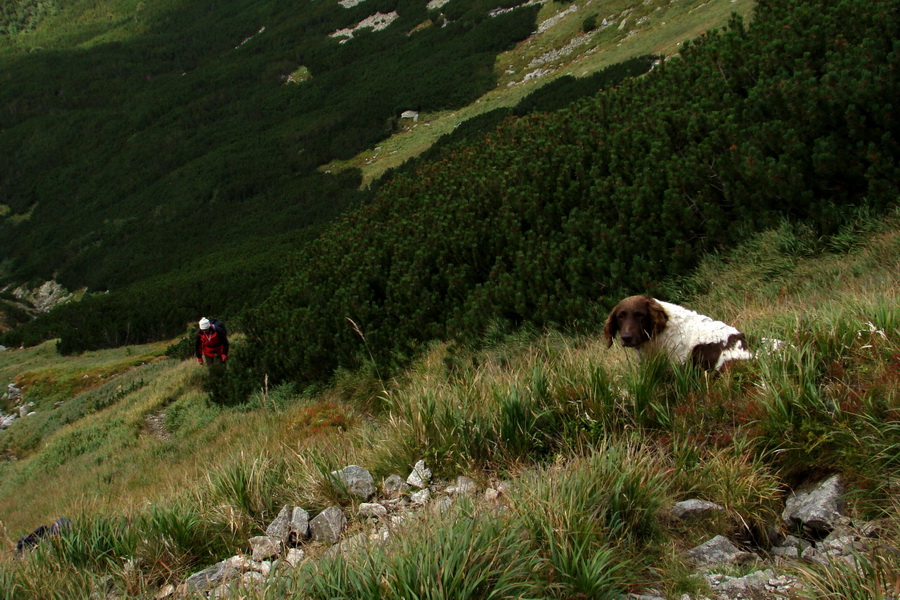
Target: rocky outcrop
[[44, 297], [381, 518]]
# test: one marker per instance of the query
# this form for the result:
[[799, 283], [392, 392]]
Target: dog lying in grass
[[649, 325]]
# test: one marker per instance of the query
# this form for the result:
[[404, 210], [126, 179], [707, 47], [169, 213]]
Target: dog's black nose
[[627, 339]]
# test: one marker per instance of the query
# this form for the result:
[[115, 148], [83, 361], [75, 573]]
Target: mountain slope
[[154, 149]]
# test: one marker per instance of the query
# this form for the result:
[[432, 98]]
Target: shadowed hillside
[[175, 155]]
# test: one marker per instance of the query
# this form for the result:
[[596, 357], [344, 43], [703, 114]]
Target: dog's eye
[[622, 316], [638, 315]]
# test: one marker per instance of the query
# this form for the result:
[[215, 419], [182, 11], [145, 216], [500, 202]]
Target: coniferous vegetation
[[184, 146], [550, 214]]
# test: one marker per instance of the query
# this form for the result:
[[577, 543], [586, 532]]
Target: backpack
[[219, 326]]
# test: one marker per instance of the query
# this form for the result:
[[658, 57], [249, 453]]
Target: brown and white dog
[[650, 325]]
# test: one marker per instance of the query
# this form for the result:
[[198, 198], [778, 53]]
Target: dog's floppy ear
[[612, 327], [658, 316]]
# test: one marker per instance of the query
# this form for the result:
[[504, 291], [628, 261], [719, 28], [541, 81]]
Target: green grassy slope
[[148, 468]]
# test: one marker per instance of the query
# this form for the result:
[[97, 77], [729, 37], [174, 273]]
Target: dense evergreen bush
[[116, 151]]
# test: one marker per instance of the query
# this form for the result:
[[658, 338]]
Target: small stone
[[718, 551], [165, 592], [491, 495], [463, 485], [356, 480], [252, 577], [420, 476], [393, 486], [328, 525], [372, 510], [294, 556], [420, 497], [694, 510], [264, 547]]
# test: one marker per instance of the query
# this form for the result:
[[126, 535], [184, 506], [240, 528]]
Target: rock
[[252, 577], [7, 420], [748, 586], [299, 524], [372, 510], [463, 485], [290, 526], [356, 481], [791, 547], [718, 551], [241, 563], [164, 592], [420, 497], [264, 547], [694, 510], [786, 552], [211, 577], [816, 508], [393, 486], [263, 567], [349, 545], [280, 528], [491, 495], [328, 525], [294, 556], [420, 476], [45, 297], [443, 503]]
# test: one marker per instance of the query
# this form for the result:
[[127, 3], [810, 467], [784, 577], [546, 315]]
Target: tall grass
[[462, 554], [128, 555], [595, 444], [249, 488]]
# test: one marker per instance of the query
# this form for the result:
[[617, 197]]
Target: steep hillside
[[160, 482], [164, 151], [554, 215], [170, 132]]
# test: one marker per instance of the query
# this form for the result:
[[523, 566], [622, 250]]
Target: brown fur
[[635, 319], [707, 355]]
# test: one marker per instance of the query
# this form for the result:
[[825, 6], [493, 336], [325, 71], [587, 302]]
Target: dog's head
[[635, 319]]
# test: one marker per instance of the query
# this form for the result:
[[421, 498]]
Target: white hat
[[204, 323]]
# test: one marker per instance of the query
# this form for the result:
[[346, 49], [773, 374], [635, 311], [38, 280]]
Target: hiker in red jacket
[[212, 343]]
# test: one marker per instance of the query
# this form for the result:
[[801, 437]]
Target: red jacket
[[211, 342]]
